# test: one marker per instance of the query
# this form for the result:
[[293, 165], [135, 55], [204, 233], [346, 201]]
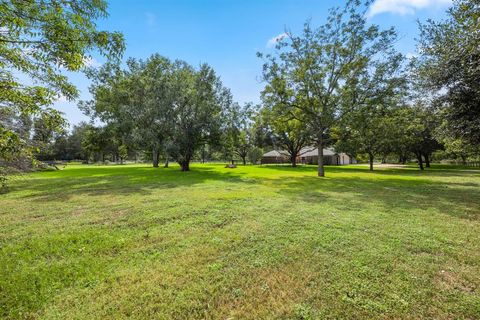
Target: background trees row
[[340, 85]]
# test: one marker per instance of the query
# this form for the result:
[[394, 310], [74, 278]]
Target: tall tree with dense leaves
[[369, 96], [308, 72], [200, 101], [38, 40], [137, 101], [154, 115], [450, 67], [166, 106]]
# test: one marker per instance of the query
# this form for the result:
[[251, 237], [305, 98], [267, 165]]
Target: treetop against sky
[[228, 33]]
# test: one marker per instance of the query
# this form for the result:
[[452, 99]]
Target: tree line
[[340, 84]]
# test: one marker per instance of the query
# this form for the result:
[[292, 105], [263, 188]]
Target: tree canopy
[[165, 106], [308, 74], [39, 40], [450, 67]]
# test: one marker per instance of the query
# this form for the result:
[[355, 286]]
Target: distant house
[[275, 156], [308, 155]]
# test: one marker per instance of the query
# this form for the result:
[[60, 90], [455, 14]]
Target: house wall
[[341, 159], [336, 160], [344, 159], [270, 160], [328, 160]]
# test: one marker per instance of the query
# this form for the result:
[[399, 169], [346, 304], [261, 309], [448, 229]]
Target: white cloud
[[404, 7], [90, 62], [273, 41], [151, 19]]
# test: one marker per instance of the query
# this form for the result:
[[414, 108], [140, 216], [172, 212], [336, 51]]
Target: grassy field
[[268, 242]]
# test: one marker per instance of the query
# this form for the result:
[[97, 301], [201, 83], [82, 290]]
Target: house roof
[[305, 152], [276, 153], [314, 152]]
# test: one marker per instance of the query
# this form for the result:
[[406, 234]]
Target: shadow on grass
[[394, 189], [412, 171], [94, 181]]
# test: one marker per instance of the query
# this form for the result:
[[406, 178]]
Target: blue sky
[[227, 33]]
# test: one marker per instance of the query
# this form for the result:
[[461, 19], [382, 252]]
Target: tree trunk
[[427, 161], [370, 160], [420, 160], [185, 165], [166, 164], [121, 160], [244, 159], [293, 160], [321, 169], [405, 157], [155, 155], [464, 160]]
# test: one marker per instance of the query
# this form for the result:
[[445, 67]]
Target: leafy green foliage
[[288, 133], [199, 104], [238, 130], [122, 152], [40, 38], [255, 155], [308, 75], [38, 41], [160, 105], [369, 98], [450, 66]]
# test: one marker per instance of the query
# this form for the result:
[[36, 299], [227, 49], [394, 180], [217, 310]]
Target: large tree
[[369, 97], [368, 129], [167, 107], [137, 102], [450, 67], [199, 103], [308, 72], [38, 41]]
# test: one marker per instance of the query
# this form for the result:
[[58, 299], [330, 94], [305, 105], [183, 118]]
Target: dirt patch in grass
[[449, 280]]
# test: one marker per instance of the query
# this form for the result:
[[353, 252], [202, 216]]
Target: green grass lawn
[[112, 242]]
